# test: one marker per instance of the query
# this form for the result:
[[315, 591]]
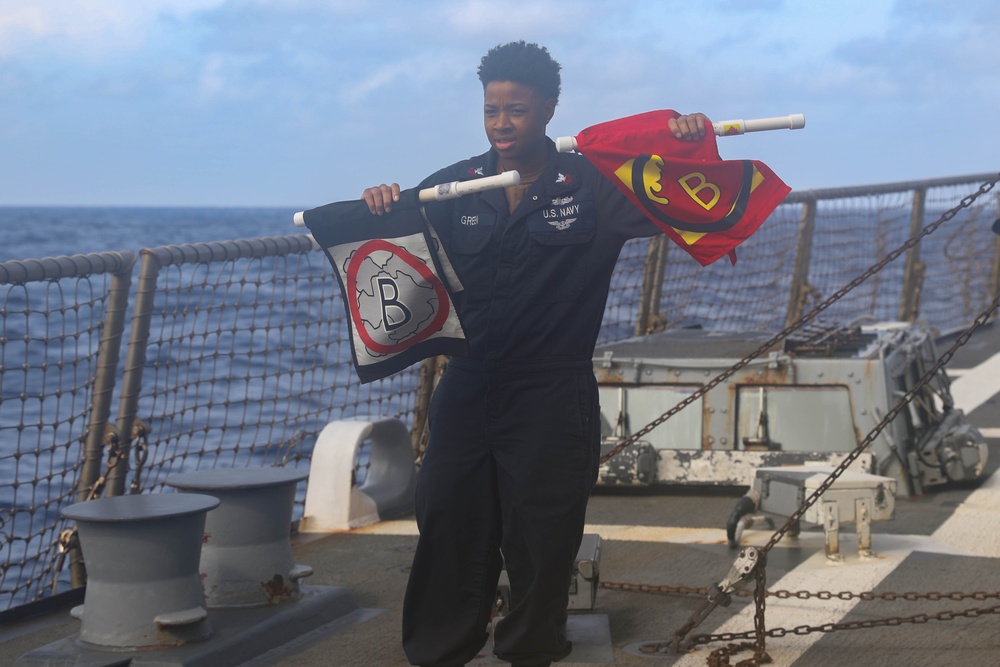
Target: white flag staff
[[452, 190], [724, 128]]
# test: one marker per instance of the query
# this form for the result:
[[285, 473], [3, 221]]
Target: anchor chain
[[759, 632], [783, 594], [964, 203], [746, 566], [721, 656], [867, 624], [900, 405]]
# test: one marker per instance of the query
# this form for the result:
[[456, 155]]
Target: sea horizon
[[35, 232]]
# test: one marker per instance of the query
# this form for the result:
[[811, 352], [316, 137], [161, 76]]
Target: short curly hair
[[525, 63]]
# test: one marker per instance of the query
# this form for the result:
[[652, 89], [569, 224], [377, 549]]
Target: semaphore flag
[[705, 204], [396, 284]]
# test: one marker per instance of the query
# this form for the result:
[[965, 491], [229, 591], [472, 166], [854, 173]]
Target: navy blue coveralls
[[515, 428]]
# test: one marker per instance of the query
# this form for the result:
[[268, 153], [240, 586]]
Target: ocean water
[[33, 232]]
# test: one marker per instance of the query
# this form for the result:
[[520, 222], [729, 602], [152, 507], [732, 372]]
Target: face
[[515, 116]]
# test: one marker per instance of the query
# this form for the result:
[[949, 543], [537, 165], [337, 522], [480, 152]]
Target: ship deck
[[942, 542]]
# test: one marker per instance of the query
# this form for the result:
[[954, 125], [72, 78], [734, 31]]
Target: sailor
[[514, 428]]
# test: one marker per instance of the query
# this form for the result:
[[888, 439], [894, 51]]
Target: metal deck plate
[[240, 635]]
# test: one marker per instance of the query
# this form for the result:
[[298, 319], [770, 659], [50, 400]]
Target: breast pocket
[[470, 254], [471, 231], [562, 237]]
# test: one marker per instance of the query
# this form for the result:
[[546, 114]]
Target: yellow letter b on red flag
[[707, 205]]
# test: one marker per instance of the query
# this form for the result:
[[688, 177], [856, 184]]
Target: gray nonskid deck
[[374, 563], [943, 541]]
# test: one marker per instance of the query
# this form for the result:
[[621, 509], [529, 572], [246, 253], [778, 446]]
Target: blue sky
[[301, 102]]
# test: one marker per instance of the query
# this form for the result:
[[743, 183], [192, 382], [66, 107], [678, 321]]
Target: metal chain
[[114, 446], [650, 588], [760, 599], [759, 632], [140, 434], [946, 615], [888, 596], [805, 319], [782, 594], [900, 405], [721, 656], [68, 539]]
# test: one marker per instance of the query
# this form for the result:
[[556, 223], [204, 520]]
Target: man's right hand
[[381, 197], [690, 127]]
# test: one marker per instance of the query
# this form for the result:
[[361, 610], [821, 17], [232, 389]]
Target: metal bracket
[[720, 594], [740, 573]]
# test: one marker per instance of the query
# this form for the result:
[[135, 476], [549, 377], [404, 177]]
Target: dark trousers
[[511, 461]]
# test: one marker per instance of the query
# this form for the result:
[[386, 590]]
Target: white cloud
[[331, 87], [518, 19], [86, 28]]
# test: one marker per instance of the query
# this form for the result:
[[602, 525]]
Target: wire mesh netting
[[959, 266], [851, 234], [248, 356], [51, 332], [624, 295], [750, 295], [247, 360]]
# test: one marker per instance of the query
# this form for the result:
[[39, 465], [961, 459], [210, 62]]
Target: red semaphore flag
[[705, 204]]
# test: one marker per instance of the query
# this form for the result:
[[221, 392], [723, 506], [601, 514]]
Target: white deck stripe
[[962, 534], [972, 526], [663, 534], [968, 531], [814, 574], [977, 385]]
